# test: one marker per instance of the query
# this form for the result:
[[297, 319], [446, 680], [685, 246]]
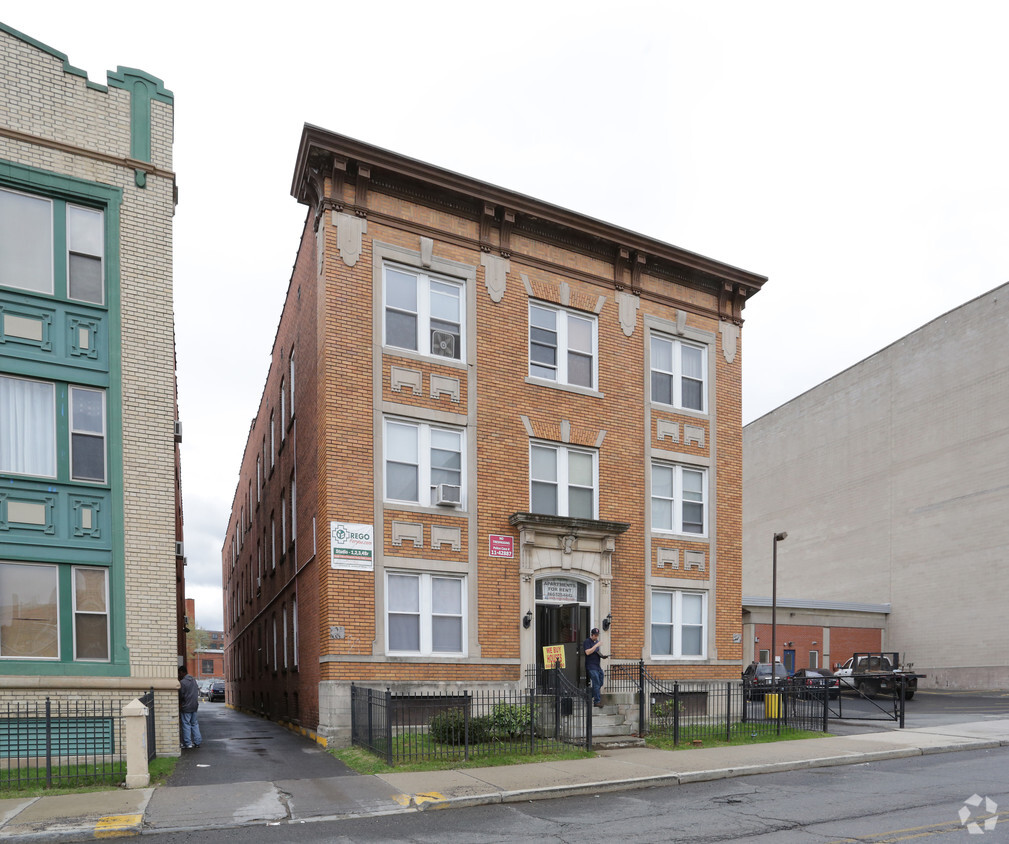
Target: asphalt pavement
[[252, 771]]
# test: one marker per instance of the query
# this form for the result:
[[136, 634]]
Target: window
[[91, 614], [678, 373], [423, 313], [291, 381], [418, 458], [274, 619], [678, 628], [294, 631], [273, 542], [562, 346], [283, 410], [425, 614], [29, 611], [206, 666], [259, 479], [764, 655], [814, 659], [87, 434], [273, 441], [27, 427], [562, 481], [32, 227], [283, 524], [284, 628], [678, 499]]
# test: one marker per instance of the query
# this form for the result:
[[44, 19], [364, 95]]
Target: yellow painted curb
[[113, 826]]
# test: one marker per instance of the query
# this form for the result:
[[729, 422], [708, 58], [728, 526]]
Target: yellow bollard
[[772, 706]]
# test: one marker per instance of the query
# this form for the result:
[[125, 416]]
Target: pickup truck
[[872, 673]]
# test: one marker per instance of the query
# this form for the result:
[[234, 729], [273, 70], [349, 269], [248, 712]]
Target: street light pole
[[778, 537]]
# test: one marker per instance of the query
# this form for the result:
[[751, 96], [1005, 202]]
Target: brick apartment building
[[91, 566], [205, 649], [489, 424]]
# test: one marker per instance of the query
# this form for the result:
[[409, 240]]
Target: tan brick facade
[[369, 211], [70, 130]]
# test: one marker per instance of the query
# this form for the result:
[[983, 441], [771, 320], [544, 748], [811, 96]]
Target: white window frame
[[75, 611], [676, 502], [425, 489], [426, 613], [283, 524], [290, 385], [676, 624], [676, 372], [294, 630], [283, 411], [273, 440], [563, 317], [284, 621], [103, 435], [423, 312], [100, 255], [563, 453], [273, 542]]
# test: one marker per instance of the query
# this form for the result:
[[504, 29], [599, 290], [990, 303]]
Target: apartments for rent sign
[[352, 546]]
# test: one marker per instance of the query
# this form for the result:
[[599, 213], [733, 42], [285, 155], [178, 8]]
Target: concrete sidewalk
[[122, 812]]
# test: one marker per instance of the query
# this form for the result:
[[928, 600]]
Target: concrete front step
[[611, 730], [615, 742]]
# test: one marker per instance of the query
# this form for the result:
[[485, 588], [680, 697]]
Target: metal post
[[465, 721], [826, 702], [588, 722], [388, 727], [728, 712], [676, 713], [49, 744], [903, 687], [778, 537], [532, 720], [641, 698]]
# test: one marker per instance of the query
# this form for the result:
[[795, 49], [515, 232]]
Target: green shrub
[[510, 720], [665, 712], [449, 727]]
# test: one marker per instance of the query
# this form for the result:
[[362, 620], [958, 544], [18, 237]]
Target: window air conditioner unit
[[180, 549], [443, 344], [178, 431], [448, 495]]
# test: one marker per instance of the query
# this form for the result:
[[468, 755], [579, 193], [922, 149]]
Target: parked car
[[813, 681], [216, 691], [204, 688], [757, 678]]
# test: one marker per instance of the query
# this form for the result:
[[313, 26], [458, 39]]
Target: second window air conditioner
[[448, 495]]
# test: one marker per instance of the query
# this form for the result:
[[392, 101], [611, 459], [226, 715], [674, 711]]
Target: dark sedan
[[216, 691], [813, 681]]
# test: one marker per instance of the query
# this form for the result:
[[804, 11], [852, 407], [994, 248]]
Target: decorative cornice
[[549, 221]]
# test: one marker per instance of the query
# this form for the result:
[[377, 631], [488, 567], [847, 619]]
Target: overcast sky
[[855, 154]]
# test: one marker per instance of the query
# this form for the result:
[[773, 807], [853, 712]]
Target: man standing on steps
[[189, 702], [592, 665]]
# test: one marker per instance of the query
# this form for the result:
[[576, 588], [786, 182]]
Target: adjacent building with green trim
[[90, 517]]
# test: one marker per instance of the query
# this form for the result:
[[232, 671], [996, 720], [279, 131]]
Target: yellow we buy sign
[[553, 656]]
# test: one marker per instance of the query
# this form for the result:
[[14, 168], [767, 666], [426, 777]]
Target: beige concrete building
[[90, 557], [892, 482]]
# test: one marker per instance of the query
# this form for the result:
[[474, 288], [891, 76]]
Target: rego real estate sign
[[352, 546]]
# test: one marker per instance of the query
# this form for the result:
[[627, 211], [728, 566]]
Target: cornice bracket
[[621, 264], [486, 222], [731, 300], [361, 190], [507, 222], [640, 259]]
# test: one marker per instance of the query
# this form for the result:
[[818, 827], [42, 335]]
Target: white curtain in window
[[27, 427]]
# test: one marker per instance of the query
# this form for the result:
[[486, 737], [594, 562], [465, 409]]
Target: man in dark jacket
[[189, 702], [592, 665]]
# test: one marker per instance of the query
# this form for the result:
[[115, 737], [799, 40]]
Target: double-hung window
[[678, 624], [679, 499], [562, 346], [423, 312], [562, 481], [91, 614], [678, 373], [28, 429], [87, 434], [31, 227], [425, 613], [419, 459]]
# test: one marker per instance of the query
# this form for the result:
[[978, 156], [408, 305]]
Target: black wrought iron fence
[[75, 742], [692, 710], [463, 725]]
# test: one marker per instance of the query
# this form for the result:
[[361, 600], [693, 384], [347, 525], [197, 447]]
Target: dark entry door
[[567, 625], [790, 662]]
